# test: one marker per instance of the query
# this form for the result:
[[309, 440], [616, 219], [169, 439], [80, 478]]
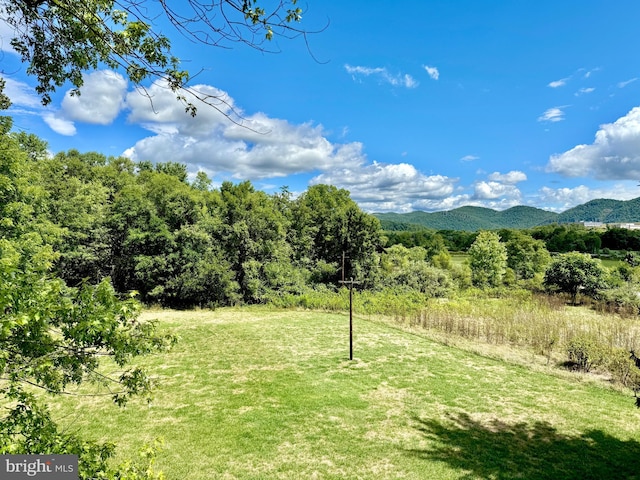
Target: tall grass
[[391, 302], [544, 324]]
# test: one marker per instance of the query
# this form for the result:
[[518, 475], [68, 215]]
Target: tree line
[[178, 242], [558, 238], [182, 243]]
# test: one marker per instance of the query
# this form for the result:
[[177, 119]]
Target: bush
[[323, 272], [585, 353], [461, 275], [622, 300], [623, 369], [419, 276], [390, 301]]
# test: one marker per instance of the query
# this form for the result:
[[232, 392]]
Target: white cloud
[[159, 111], [627, 82], [584, 91], [7, 32], [564, 198], [462, 200], [554, 114], [433, 72], [561, 199], [409, 81], [21, 94], [582, 72], [262, 147], [101, 99], [59, 125], [24, 97], [364, 70], [397, 80], [499, 191], [588, 73], [614, 154], [493, 190], [510, 178], [389, 187], [558, 83], [469, 158], [443, 204], [100, 102]]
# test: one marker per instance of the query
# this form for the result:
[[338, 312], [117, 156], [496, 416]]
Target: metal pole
[[351, 283], [351, 319]]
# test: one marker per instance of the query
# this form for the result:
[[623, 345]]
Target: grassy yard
[[612, 263], [459, 258], [261, 394]]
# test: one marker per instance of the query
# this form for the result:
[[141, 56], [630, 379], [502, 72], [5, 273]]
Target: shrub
[[623, 300], [431, 281], [323, 272], [461, 275], [585, 352], [623, 369]]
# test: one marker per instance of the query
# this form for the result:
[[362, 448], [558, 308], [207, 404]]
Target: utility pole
[[344, 257], [350, 283]]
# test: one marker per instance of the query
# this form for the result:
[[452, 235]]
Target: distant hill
[[521, 217], [606, 211]]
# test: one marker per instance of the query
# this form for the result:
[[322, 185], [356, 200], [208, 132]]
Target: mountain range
[[520, 217]]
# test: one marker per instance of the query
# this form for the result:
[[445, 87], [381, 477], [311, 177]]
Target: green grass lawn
[[459, 258], [260, 394], [612, 263]]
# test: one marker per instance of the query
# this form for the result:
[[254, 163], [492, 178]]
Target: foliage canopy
[[488, 260], [52, 335], [575, 273]]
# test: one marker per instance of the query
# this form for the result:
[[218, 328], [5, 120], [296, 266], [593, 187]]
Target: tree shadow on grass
[[535, 451]]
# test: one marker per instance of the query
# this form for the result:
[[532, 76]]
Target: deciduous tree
[[575, 273], [526, 256], [51, 335], [253, 235], [336, 228], [408, 268], [488, 260]]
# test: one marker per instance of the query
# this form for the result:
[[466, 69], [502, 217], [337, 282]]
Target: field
[[264, 394], [459, 258], [612, 263]]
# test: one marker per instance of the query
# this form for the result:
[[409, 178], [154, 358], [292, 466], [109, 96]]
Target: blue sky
[[413, 105]]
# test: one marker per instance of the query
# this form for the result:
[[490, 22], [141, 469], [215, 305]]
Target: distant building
[[627, 226], [593, 224]]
